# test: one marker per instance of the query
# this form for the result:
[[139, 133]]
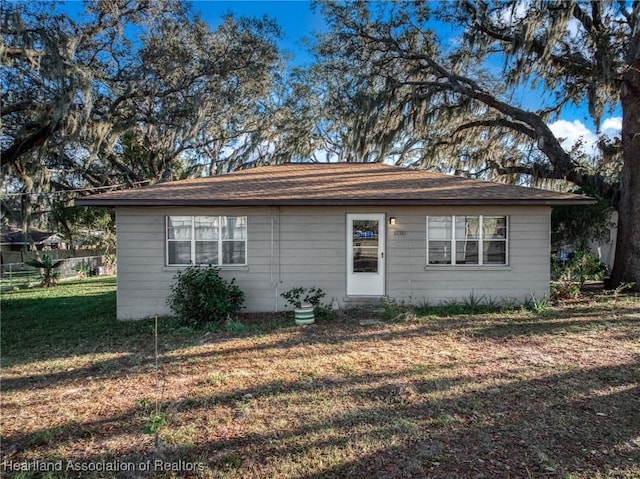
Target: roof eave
[[337, 202]]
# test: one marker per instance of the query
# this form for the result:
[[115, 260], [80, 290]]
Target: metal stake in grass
[[156, 440], [159, 420], [156, 420]]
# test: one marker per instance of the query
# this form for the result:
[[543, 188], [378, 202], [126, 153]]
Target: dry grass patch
[[514, 395]]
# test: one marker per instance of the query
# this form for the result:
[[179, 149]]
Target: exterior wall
[[306, 246], [606, 251], [525, 277]]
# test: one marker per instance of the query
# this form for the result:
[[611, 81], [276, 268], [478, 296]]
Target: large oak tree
[[481, 102], [124, 92]]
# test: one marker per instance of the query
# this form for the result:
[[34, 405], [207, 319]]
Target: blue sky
[[298, 20], [295, 17]]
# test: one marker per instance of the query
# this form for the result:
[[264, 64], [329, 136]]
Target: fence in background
[[7, 257], [19, 274]]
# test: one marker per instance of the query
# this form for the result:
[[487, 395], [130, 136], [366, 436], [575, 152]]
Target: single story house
[[358, 231], [14, 239]]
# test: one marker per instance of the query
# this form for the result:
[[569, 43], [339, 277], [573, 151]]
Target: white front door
[[365, 254]]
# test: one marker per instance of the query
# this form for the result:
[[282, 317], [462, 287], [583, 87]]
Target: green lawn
[[74, 317], [518, 394], [19, 279]]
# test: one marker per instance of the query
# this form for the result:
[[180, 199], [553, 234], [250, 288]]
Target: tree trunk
[[626, 267], [26, 215], [68, 235]]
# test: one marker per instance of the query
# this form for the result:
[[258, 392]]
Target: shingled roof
[[15, 236], [331, 184]]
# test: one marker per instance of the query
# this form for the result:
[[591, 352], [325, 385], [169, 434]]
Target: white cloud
[[612, 126], [574, 131], [570, 132], [513, 13]]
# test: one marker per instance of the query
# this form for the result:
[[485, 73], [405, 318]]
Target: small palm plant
[[108, 263], [48, 268]]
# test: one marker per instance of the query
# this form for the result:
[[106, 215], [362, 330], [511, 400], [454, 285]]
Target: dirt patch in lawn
[[511, 395]]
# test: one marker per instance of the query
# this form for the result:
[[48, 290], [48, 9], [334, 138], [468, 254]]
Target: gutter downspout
[[274, 276]]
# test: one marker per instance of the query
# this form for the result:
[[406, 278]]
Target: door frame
[[369, 283]]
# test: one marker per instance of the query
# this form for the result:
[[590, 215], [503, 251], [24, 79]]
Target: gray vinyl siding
[[525, 276], [307, 247]]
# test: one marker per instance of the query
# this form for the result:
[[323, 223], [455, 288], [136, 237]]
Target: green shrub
[[391, 309], [296, 297], [201, 296], [82, 270], [565, 288], [569, 277], [583, 266]]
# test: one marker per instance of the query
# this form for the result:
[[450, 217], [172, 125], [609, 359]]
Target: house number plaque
[[399, 233]]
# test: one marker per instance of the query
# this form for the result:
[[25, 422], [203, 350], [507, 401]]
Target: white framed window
[[215, 240], [467, 240]]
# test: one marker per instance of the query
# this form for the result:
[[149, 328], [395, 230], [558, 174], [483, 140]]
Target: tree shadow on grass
[[546, 327], [57, 327], [54, 338], [96, 369], [344, 334], [581, 422]]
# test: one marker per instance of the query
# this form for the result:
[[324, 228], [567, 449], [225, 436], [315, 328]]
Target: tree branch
[[500, 122], [582, 17], [21, 146], [547, 142], [15, 107], [537, 47]]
